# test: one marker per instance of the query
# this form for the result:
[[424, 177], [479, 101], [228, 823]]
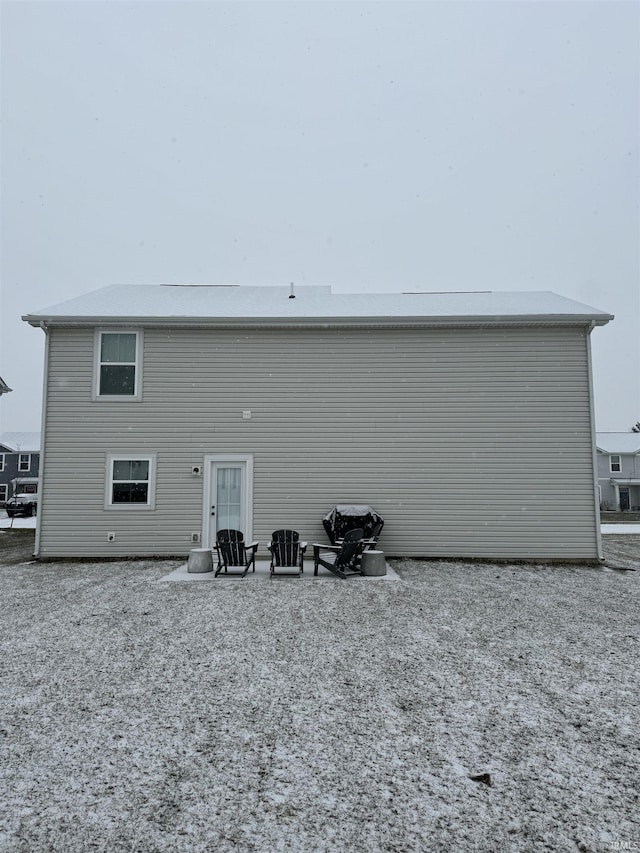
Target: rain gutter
[[317, 321]]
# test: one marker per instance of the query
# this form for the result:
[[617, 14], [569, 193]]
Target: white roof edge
[[38, 320], [310, 306]]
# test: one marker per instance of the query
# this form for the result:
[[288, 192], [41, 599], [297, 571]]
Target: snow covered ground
[[7, 523], [143, 715], [620, 529]]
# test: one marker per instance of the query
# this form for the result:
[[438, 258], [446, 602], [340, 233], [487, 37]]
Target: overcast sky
[[371, 146]]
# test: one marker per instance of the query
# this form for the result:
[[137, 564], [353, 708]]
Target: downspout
[[594, 460], [43, 433]]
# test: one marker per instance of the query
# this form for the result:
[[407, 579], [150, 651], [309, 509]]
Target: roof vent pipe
[[292, 294]]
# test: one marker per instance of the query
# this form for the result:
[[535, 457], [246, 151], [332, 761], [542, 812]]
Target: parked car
[[22, 505]]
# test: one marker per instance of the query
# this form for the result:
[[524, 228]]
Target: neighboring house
[[619, 470], [464, 419], [19, 463]]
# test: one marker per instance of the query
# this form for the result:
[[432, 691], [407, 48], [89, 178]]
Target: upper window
[[118, 365], [131, 481], [1, 461], [24, 462], [615, 464]]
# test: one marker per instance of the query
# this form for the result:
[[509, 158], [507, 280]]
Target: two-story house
[[619, 470], [19, 463], [465, 419]]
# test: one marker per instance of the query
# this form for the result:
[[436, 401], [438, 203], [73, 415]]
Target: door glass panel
[[229, 498]]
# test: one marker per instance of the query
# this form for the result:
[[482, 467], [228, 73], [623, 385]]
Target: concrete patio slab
[[262, 573]]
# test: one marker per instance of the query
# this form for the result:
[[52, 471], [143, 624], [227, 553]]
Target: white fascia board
[[320, 321]]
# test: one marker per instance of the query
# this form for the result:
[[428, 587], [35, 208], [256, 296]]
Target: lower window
[[131, 481]]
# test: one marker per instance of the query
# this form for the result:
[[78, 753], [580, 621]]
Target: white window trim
[[2, 461], [20, 468], [136, 397], [151, 458], [613, 470]]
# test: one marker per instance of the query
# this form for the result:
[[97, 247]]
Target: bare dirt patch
[[16, 546], [622, 551]]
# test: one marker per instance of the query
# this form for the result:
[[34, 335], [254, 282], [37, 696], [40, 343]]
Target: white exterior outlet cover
[[111, 537], [197, 469], [246, 415]]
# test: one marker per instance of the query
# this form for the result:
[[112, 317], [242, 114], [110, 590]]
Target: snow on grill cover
[[345, 517]]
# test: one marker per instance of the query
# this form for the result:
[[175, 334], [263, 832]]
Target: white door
[[228, 495]]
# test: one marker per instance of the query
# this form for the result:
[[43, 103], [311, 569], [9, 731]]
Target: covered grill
[[345, 517]]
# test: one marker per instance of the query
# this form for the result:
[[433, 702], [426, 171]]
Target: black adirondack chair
[[234, 557], [345, 563], [287, 553], [371, 539]]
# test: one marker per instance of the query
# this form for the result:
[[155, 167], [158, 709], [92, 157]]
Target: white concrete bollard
[[200, 560], [374, 564]]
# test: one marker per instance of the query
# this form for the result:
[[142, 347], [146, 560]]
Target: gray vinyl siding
[[470, 442]]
